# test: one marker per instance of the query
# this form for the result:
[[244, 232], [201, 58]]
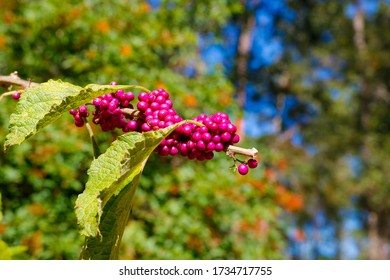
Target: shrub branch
[[14, 80]]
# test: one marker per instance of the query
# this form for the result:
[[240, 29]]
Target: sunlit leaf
[[41, 106], [103, 208]]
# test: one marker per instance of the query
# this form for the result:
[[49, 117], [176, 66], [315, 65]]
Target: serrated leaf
[[103, 209], [43, 105]]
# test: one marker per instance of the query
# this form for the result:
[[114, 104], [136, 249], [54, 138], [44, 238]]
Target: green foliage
[[203, 211], [131, 44], [1, 208], [39, 182], [9, 253], [108, 196]]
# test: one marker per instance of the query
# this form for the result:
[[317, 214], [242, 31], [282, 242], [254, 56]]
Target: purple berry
[[154, 106], [210, 146], [225, 137], [142, 106], [201, 145], [206, 137], [97, 101], [143, 96], [252, 163], [16, 95], [129, 96], [196, 136], [173, 151], [218, 147], [145, 127], [231, 128], [160, 99], [243, 169], [209, 155], [235, 139]]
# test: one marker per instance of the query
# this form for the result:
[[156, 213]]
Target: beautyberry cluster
[[215, 134], [79, 115], [108, 111], [156, 107], [197, 139]]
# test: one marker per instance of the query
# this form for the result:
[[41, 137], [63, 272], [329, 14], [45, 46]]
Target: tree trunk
[[378, 245]]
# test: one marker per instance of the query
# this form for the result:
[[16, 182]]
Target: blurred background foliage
[[306, 82]]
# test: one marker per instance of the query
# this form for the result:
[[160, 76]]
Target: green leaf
[[42, 105], [103, 209], [1, 208], [8, 253]]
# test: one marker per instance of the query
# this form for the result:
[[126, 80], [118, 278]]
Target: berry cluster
[[200, 142], [79, 115], [157, 110], [197, 139], [108, 111]]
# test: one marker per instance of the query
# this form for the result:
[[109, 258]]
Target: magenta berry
[[225, 137], [243, 169], [252, 163], [16, 95]]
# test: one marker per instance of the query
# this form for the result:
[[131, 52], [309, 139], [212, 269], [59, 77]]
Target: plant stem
[[132, 112], [96, 150], [141, 88], [14, 80], [7, 94], [231, 151]]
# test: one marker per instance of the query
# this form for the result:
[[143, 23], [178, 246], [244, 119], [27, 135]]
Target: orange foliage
[[209, 211], [190, 101], [195, 244], [2, 228], [9, 17], [174, 190], [39, 173], [33, 242], [160, 84], [103, 26], [259, 185], [288, 200], [270, 175], [166, 37], [240, 127], [145, 8], [225, 99], [282, 164], [299, 235], [37, 209], [295, 203], [42, 153], [75, 13], [126, 50], [2, 42], [260, 227], [90, 54]]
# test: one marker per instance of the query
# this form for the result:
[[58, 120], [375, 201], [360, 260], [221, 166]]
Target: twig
[[233, 150], [14, 80], [96, 150], [131, 112]]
